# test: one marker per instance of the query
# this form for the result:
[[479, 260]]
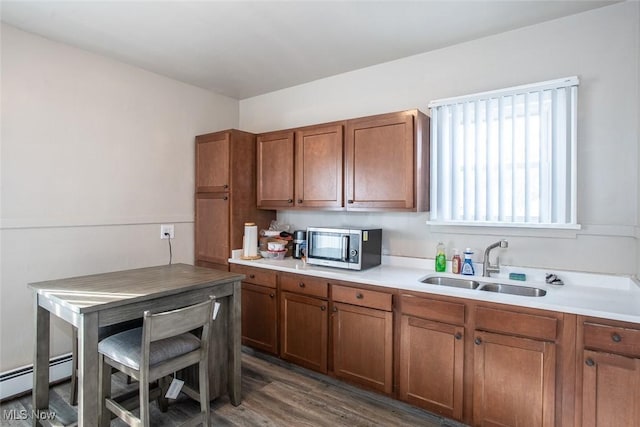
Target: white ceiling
[[246, 48]]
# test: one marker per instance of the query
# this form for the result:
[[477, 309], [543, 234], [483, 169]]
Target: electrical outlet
[[166, 228]]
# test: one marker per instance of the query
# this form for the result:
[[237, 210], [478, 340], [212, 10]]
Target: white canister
[[250, 248]]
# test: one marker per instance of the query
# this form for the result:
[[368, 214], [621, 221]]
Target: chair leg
[[203, 371], [144, 401], [73, 395], [105, 393], [163, 402]]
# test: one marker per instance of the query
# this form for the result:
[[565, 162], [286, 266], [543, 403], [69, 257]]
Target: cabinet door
[[275, 170], [431, 365], [259, 317], [363, 346], [514, 381], [380, 162], [304, 331], [318, 173], [212, 163], [610, 390], [212, 228]]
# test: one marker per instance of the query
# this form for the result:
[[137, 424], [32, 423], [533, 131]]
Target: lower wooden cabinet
[[304, 325], [513, 381], [304, 320], [259, 308], [432, 354], [431, 365], [362, 337], [610, 373], [610, 390]]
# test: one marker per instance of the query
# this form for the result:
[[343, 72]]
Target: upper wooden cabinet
[[212, 162], [301, 168], [275, 170], [387, 162], [225, 195], [318, 168], [367, 164]]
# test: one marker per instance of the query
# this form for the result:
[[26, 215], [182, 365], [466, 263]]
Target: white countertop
[[605, 296]]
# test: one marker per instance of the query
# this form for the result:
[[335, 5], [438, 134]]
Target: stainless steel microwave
[[350, 248]]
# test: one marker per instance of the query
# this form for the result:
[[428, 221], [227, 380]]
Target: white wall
[[95, 155], [599, 46]]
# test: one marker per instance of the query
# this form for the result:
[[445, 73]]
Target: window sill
[[502, 229]]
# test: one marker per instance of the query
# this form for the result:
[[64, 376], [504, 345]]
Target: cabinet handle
[[615, 337], [589, 362], [289, 200], [478, 341], [272, 295], [299, 200], [359, 295], [225, 186], [323, 308], [301, 284], [350, 201], [252, 276], [458, 336], [225, 198]]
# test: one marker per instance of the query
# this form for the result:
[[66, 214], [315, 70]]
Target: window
[[506, 157]]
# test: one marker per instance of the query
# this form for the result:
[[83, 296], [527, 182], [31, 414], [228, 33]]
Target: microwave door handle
[[345, 248]]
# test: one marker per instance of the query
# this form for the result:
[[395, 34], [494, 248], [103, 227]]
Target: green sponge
[[518, 276]]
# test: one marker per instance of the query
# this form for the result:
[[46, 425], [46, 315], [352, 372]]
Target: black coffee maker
[[299, 243]]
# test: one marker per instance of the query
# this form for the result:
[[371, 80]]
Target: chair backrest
[[171, 323]]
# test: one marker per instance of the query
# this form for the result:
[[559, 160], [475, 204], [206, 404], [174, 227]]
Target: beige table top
[[85, 294]]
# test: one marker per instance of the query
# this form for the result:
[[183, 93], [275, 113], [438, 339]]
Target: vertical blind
[[506, 157]]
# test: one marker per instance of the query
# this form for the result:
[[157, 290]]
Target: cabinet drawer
[[361, 297], [257, 276], [523, 324], [306, 285], [612, 339], [427, 308]]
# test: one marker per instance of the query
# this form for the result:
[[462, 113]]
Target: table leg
[[88, 370], [235, 345], [41, 361]]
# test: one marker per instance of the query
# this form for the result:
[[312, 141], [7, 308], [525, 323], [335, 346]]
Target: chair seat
[[125, 347]]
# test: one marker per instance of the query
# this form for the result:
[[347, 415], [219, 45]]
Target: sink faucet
[[487, 268]]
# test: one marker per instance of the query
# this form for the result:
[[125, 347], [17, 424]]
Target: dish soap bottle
[[441, 258], [467, 266], [456, 262]]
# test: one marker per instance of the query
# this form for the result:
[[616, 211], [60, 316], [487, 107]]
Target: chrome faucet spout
[[487, 267]]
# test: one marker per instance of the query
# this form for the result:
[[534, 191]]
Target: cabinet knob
[[350, 201], [290, 201], [615, 337], [458, 336], [359, 295], [335, 309], [225, 198], [301, 284], [299, 200], [225, 186], [478, 341], [589, 362], [252, 276], [272, 295], [323, 308]]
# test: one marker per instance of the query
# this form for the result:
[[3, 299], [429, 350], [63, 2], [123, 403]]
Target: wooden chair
[[161, 346], [103, 333]]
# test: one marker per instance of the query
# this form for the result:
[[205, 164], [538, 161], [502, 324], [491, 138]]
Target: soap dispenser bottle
[[441, 258], [467, 266]]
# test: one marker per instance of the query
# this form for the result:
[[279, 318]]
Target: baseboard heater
[[20, 381]]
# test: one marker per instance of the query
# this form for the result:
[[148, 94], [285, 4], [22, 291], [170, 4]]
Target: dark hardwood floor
[[274, 393]]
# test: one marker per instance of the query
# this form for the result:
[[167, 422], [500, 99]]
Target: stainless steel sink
[[525, 291], [449, 281]]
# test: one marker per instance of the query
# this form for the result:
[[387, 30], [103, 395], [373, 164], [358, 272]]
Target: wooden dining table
[[90, 302]]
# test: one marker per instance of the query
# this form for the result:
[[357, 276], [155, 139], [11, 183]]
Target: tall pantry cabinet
[[225, 195]]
